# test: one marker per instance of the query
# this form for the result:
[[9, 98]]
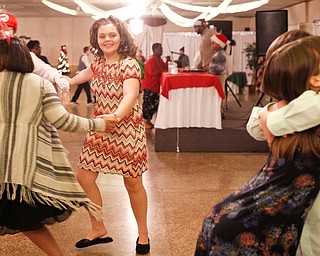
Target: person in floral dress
[[115, 76], [265, 216]]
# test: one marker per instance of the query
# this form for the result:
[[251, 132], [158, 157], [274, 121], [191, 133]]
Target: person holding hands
[[114, 74], [37, 182]]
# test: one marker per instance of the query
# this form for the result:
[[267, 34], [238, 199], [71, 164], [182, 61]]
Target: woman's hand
[[110, 120], [263, 120], [62, 83], [263, 126]]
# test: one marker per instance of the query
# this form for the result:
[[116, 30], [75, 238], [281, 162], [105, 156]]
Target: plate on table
[[193, 70]]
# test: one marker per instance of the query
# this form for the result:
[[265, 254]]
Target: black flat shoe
[[86, 242], [142, 248]]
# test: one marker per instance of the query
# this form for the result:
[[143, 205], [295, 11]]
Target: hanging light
[[136, 26]]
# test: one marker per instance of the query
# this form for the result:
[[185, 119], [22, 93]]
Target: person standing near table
[[206, 52], [151, 84], [183, 60], [218, 64]]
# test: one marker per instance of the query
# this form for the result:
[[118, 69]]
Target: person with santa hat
[[201, 28], [219, 64], [40, 68]]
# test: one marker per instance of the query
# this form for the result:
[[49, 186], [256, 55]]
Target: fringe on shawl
[[28, 196]]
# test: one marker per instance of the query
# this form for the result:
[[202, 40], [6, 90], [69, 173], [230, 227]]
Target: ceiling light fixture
[[136, 26]]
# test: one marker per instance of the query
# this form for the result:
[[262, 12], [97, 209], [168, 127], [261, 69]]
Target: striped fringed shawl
[[31, 153]]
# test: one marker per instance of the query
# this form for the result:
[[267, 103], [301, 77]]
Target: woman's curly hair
[[127, 45]]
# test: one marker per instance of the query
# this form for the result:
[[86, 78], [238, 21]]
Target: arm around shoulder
[[254, 122], [300, 114]]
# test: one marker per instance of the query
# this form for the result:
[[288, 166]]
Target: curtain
[[173, 41], [147, 38], [242, 39]]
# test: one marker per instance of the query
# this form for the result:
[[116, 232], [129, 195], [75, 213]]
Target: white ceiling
[[35, 8]]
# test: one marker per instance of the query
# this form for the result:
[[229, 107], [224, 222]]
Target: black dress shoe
[[86, 242], [142, 248]]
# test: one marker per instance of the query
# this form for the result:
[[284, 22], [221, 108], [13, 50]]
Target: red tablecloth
[[189, 80]]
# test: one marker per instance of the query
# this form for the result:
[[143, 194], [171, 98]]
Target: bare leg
[[45, 241], [139, 205], [87, 180]]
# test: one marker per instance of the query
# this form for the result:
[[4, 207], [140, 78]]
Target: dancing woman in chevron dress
[[115, 78]]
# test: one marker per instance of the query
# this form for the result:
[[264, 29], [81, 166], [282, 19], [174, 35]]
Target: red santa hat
[[9, 19], [220, 39]]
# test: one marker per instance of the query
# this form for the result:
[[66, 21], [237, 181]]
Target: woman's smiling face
[[109, 40]]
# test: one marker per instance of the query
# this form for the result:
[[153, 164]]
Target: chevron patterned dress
[[122, 151]]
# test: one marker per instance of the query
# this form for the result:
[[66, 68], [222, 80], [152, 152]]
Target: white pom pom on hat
[[9, 19], [200, 22], [220, 39]]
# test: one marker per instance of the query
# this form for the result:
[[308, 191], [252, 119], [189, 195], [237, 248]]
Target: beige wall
[[74, 31], [54, 32]]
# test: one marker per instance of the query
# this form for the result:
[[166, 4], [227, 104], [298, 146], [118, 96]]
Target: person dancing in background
[[141, 61], [40, 68], [34, 46], [115, 78], [37, 183], [266, 214], [83, 64]]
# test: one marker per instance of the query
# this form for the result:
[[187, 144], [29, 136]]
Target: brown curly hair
[[127, 45]]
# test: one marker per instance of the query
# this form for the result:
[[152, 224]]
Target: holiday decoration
[[63, 66]]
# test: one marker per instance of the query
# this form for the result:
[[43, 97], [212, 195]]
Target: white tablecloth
[[190, 107]]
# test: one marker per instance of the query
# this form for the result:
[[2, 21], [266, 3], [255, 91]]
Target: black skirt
[[16, 216]]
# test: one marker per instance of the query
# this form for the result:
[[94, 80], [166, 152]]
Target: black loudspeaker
[[223, 27], [269, 25]]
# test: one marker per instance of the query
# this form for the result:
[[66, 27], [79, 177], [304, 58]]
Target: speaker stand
[[259, 100], [227, 89]]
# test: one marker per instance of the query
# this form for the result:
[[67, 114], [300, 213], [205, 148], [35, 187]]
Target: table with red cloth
[[189, 99], [188, 80]]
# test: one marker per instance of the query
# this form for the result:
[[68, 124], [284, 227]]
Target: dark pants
[[150, 104], [86, 87]]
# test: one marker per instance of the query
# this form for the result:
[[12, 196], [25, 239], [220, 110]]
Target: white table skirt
[[190, 107]]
